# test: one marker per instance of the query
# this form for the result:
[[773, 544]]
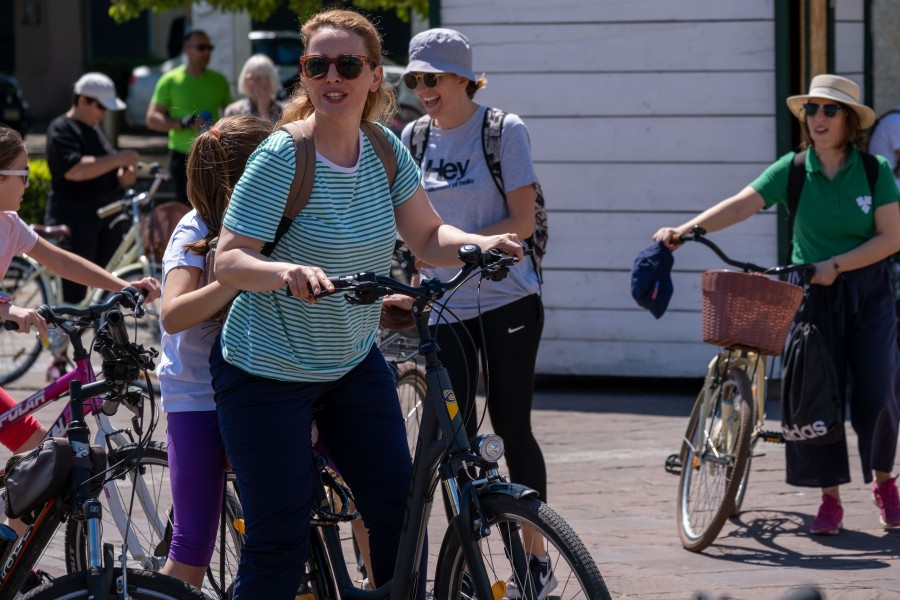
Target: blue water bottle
[[207, 120]]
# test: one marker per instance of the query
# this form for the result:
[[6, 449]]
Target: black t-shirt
[[67, 141]]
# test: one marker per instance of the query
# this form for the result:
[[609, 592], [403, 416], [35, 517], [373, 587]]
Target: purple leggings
[[197, 473]]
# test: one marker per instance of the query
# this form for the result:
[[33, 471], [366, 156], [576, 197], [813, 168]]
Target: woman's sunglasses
[[23, 173], [429, 79], [830, 110], [349, 66]]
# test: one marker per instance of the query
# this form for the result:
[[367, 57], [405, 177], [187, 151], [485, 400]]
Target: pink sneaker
[[887, 499], [830, 517]]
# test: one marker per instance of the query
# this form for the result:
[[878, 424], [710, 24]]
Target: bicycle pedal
[[673, 464], [773, 437]]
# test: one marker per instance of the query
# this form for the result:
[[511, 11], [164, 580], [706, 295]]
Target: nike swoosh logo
[[515, 329]]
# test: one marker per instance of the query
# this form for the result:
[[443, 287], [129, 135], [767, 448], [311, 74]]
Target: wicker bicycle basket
[[748, 310]]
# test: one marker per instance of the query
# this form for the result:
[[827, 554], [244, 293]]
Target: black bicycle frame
[[442, 450]]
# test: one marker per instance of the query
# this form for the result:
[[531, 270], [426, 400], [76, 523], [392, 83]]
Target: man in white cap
[[86, 173]]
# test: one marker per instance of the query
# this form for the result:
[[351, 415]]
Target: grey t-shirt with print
[[456, 177]]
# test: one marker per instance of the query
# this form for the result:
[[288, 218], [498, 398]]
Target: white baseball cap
[[101, 88]]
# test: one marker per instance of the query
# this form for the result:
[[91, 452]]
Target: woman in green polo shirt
[[847, 230]]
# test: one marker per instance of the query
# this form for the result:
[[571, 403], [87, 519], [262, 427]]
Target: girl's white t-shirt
[[183, 371]]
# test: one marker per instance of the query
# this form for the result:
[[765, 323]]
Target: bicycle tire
[[19, 351], [321, 582], [715, 461], [142, 585], [149, 325], [576, 573], [411, 389], [741, 492], [152, 463]]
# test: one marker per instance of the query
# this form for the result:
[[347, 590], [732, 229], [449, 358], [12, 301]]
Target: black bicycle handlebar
[[367, 287], [698, 234], [129, 297]]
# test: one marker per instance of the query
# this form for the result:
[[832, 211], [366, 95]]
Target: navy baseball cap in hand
[[651, 278]]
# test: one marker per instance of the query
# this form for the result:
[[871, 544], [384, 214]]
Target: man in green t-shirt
[[187, 100]]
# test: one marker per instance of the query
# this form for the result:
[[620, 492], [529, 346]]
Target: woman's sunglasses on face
[[429, 79], [23, 173], [349, 66], [830, 110], [203, 47]]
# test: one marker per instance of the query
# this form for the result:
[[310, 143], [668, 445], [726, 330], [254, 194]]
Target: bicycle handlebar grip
[[110, 209], [10, 326], [116, 325]]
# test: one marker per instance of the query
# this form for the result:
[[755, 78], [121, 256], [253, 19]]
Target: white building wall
[[641, 113]]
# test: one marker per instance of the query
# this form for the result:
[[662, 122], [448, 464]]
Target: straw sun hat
[[832, 87]]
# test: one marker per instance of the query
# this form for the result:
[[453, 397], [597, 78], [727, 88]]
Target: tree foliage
[[260, 10]]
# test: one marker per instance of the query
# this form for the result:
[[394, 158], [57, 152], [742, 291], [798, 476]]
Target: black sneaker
[[35, 579], [539, 581]]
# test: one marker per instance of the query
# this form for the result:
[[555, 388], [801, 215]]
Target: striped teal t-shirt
[[347, 227]]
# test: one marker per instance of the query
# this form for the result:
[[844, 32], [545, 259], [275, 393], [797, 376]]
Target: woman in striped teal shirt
[[278, 355]]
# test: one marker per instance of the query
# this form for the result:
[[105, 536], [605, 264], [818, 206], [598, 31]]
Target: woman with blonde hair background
[[259, 82]]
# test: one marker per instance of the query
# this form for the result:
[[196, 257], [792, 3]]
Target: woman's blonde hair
[[381, 105], [259, 64], [215, 163]]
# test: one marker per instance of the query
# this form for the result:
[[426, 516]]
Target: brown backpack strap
[[383, 149], [304, 177], [305, 172]]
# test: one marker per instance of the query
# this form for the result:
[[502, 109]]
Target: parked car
[[285, 50], [13, 106], [140, 90]]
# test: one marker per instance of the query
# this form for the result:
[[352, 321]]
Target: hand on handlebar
[[507, 243], [669, 236], [24, 318], [306, 282], [149, 287]]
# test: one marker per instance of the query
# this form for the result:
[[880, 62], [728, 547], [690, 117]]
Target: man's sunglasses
[[830, 110], [429, 79], [23, 173], [349, 66], [204, 47]]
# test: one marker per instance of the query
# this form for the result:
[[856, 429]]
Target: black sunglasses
[[830, 110], [429, 79], [204, 47], [349, 66]]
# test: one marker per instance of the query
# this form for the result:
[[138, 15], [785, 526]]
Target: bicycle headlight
[[489, 446]]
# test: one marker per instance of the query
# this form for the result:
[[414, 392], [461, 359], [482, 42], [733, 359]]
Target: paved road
[[605, 445]]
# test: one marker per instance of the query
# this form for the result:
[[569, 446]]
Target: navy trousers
[[857, 313], [265, 426]]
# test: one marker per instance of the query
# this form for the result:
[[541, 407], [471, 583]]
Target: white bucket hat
[[833, 87], [441, 51], [101, 88]]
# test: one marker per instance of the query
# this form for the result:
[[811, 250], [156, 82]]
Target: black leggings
[[507, 352]]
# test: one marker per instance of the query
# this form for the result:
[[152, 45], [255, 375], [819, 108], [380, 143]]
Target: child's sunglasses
[[429, 79], [349, 66], [830, 110], [23, 173]]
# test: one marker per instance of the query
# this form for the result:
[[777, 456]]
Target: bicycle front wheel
[[715, 458], [18, 351], [142, 474], [411, 388], [572, 573], [141, 585]]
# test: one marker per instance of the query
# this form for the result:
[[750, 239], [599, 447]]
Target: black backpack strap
[[418, 139], [796, 179], [491, 130], [870, 164]]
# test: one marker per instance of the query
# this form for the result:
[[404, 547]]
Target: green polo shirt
[[184, 94], [834, 215]]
